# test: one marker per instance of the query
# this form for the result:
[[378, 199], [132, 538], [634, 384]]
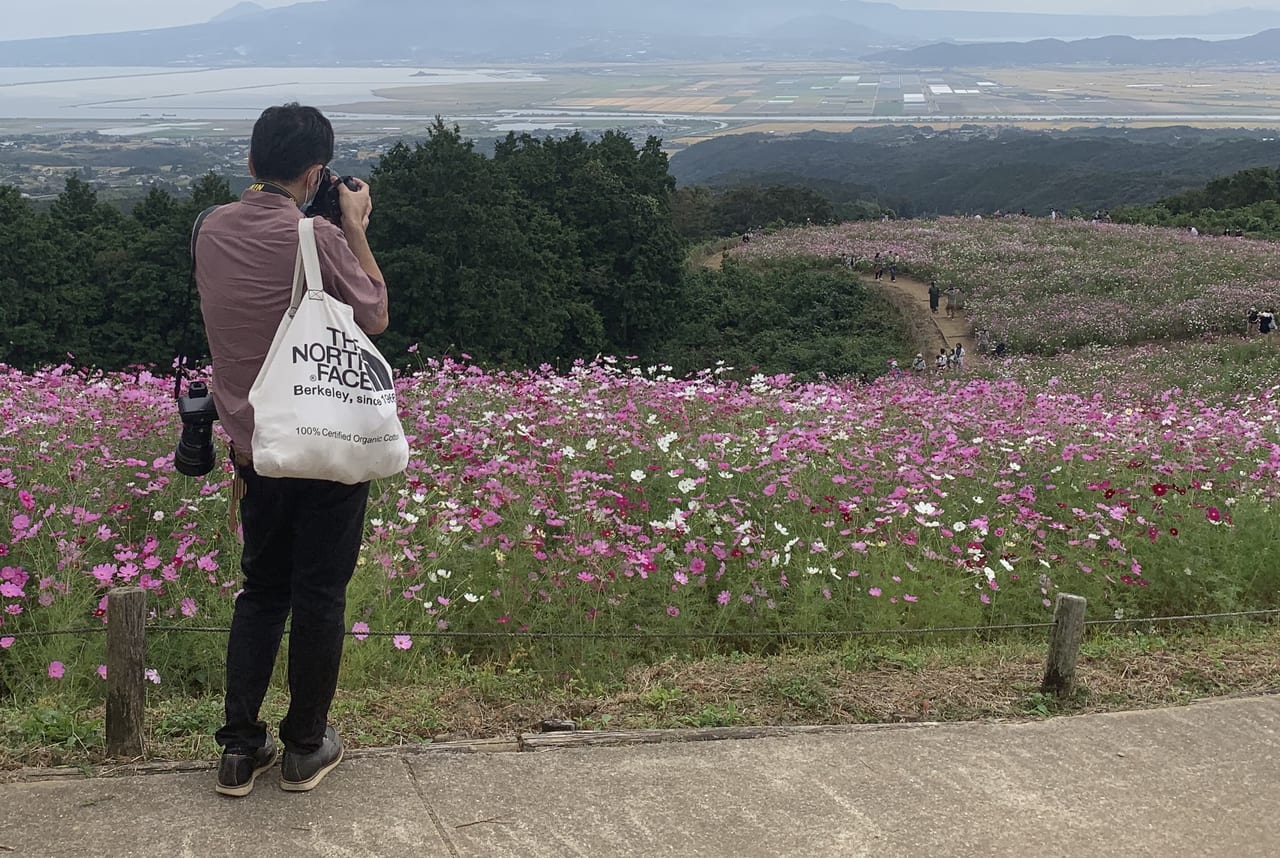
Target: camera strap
[[180, 359], [272, 188]]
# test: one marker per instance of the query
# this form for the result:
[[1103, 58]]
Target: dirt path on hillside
[[933, 330]]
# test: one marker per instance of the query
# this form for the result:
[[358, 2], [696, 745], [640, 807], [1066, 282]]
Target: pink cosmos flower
[[360, 631], [725, 597], [102, 671], [56, 670], [874, 591], [403, 642], [6, 642]]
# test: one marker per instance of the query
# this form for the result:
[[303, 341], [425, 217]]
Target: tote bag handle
[[306, 272]]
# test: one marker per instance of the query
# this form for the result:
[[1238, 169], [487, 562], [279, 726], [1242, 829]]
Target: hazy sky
[[33, 18]]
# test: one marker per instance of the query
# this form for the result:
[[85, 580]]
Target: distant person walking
[[951, 294], [893, 267], [941, 361], [934, 294], [877, 266], [957, 357], [918, 364], [1251, 323], [1266, 324]]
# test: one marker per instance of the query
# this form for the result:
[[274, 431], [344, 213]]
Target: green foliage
[[1245, 203], [789, 315], [87, 281], [551, 251], [702, 213], [921, 171]]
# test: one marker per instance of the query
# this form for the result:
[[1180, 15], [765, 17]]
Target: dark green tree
[[472, 265]]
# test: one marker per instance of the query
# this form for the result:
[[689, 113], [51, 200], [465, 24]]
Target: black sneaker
[[237, 772], [302, 772]]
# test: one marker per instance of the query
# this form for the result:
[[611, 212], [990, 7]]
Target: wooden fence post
[[1064, 644], [126, 661]]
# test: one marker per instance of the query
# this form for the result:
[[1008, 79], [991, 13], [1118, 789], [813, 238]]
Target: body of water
[[209, 94]]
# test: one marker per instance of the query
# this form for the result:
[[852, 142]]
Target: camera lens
[[194, 456]]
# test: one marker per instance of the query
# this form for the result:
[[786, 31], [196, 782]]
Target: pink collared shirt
[[245, 257]]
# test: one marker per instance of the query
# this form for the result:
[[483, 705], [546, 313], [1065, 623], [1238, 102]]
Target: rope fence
[[659, 636], [128, 629]]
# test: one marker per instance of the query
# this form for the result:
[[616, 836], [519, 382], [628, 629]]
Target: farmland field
[[683, 103]]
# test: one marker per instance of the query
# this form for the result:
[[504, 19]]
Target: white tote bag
[[324, 402]]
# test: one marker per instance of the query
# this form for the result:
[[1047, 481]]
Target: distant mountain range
[[420, 32], [1113, 50]]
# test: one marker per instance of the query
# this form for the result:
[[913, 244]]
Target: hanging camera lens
[[195, 455]]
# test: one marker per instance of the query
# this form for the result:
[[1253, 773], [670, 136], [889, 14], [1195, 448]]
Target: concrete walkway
[[1197, 781]]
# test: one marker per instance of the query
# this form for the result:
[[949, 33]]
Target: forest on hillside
[[922, 172], [1246, 203], [548, 252]]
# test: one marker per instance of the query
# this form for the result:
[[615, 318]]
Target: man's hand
[[356, 206]]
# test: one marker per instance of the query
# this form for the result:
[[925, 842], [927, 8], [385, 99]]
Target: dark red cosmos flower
[[1160, 490], [1173, 531], [1213, 515], [1109, 494]]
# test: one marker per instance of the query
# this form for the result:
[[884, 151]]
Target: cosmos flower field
[[1051, 286], [616, 499]]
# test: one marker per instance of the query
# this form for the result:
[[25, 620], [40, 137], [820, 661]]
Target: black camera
[[326, 203], [194, 455]]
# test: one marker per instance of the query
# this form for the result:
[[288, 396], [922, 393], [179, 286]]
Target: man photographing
[[301, 537]]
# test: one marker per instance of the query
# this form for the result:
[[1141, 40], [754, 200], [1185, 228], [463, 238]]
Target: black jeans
[[301, 541]]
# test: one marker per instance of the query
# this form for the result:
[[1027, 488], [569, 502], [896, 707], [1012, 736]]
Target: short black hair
[[288, 140]]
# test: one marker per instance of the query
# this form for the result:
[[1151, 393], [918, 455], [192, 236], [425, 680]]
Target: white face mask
[[312, 195]]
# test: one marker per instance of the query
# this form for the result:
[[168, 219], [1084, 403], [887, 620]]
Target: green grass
[[859, 681]]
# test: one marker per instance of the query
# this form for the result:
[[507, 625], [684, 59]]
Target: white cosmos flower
[[637, 475], [959, 526]]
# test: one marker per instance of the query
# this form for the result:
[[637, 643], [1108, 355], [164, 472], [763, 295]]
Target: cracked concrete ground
[[1192, 781]]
